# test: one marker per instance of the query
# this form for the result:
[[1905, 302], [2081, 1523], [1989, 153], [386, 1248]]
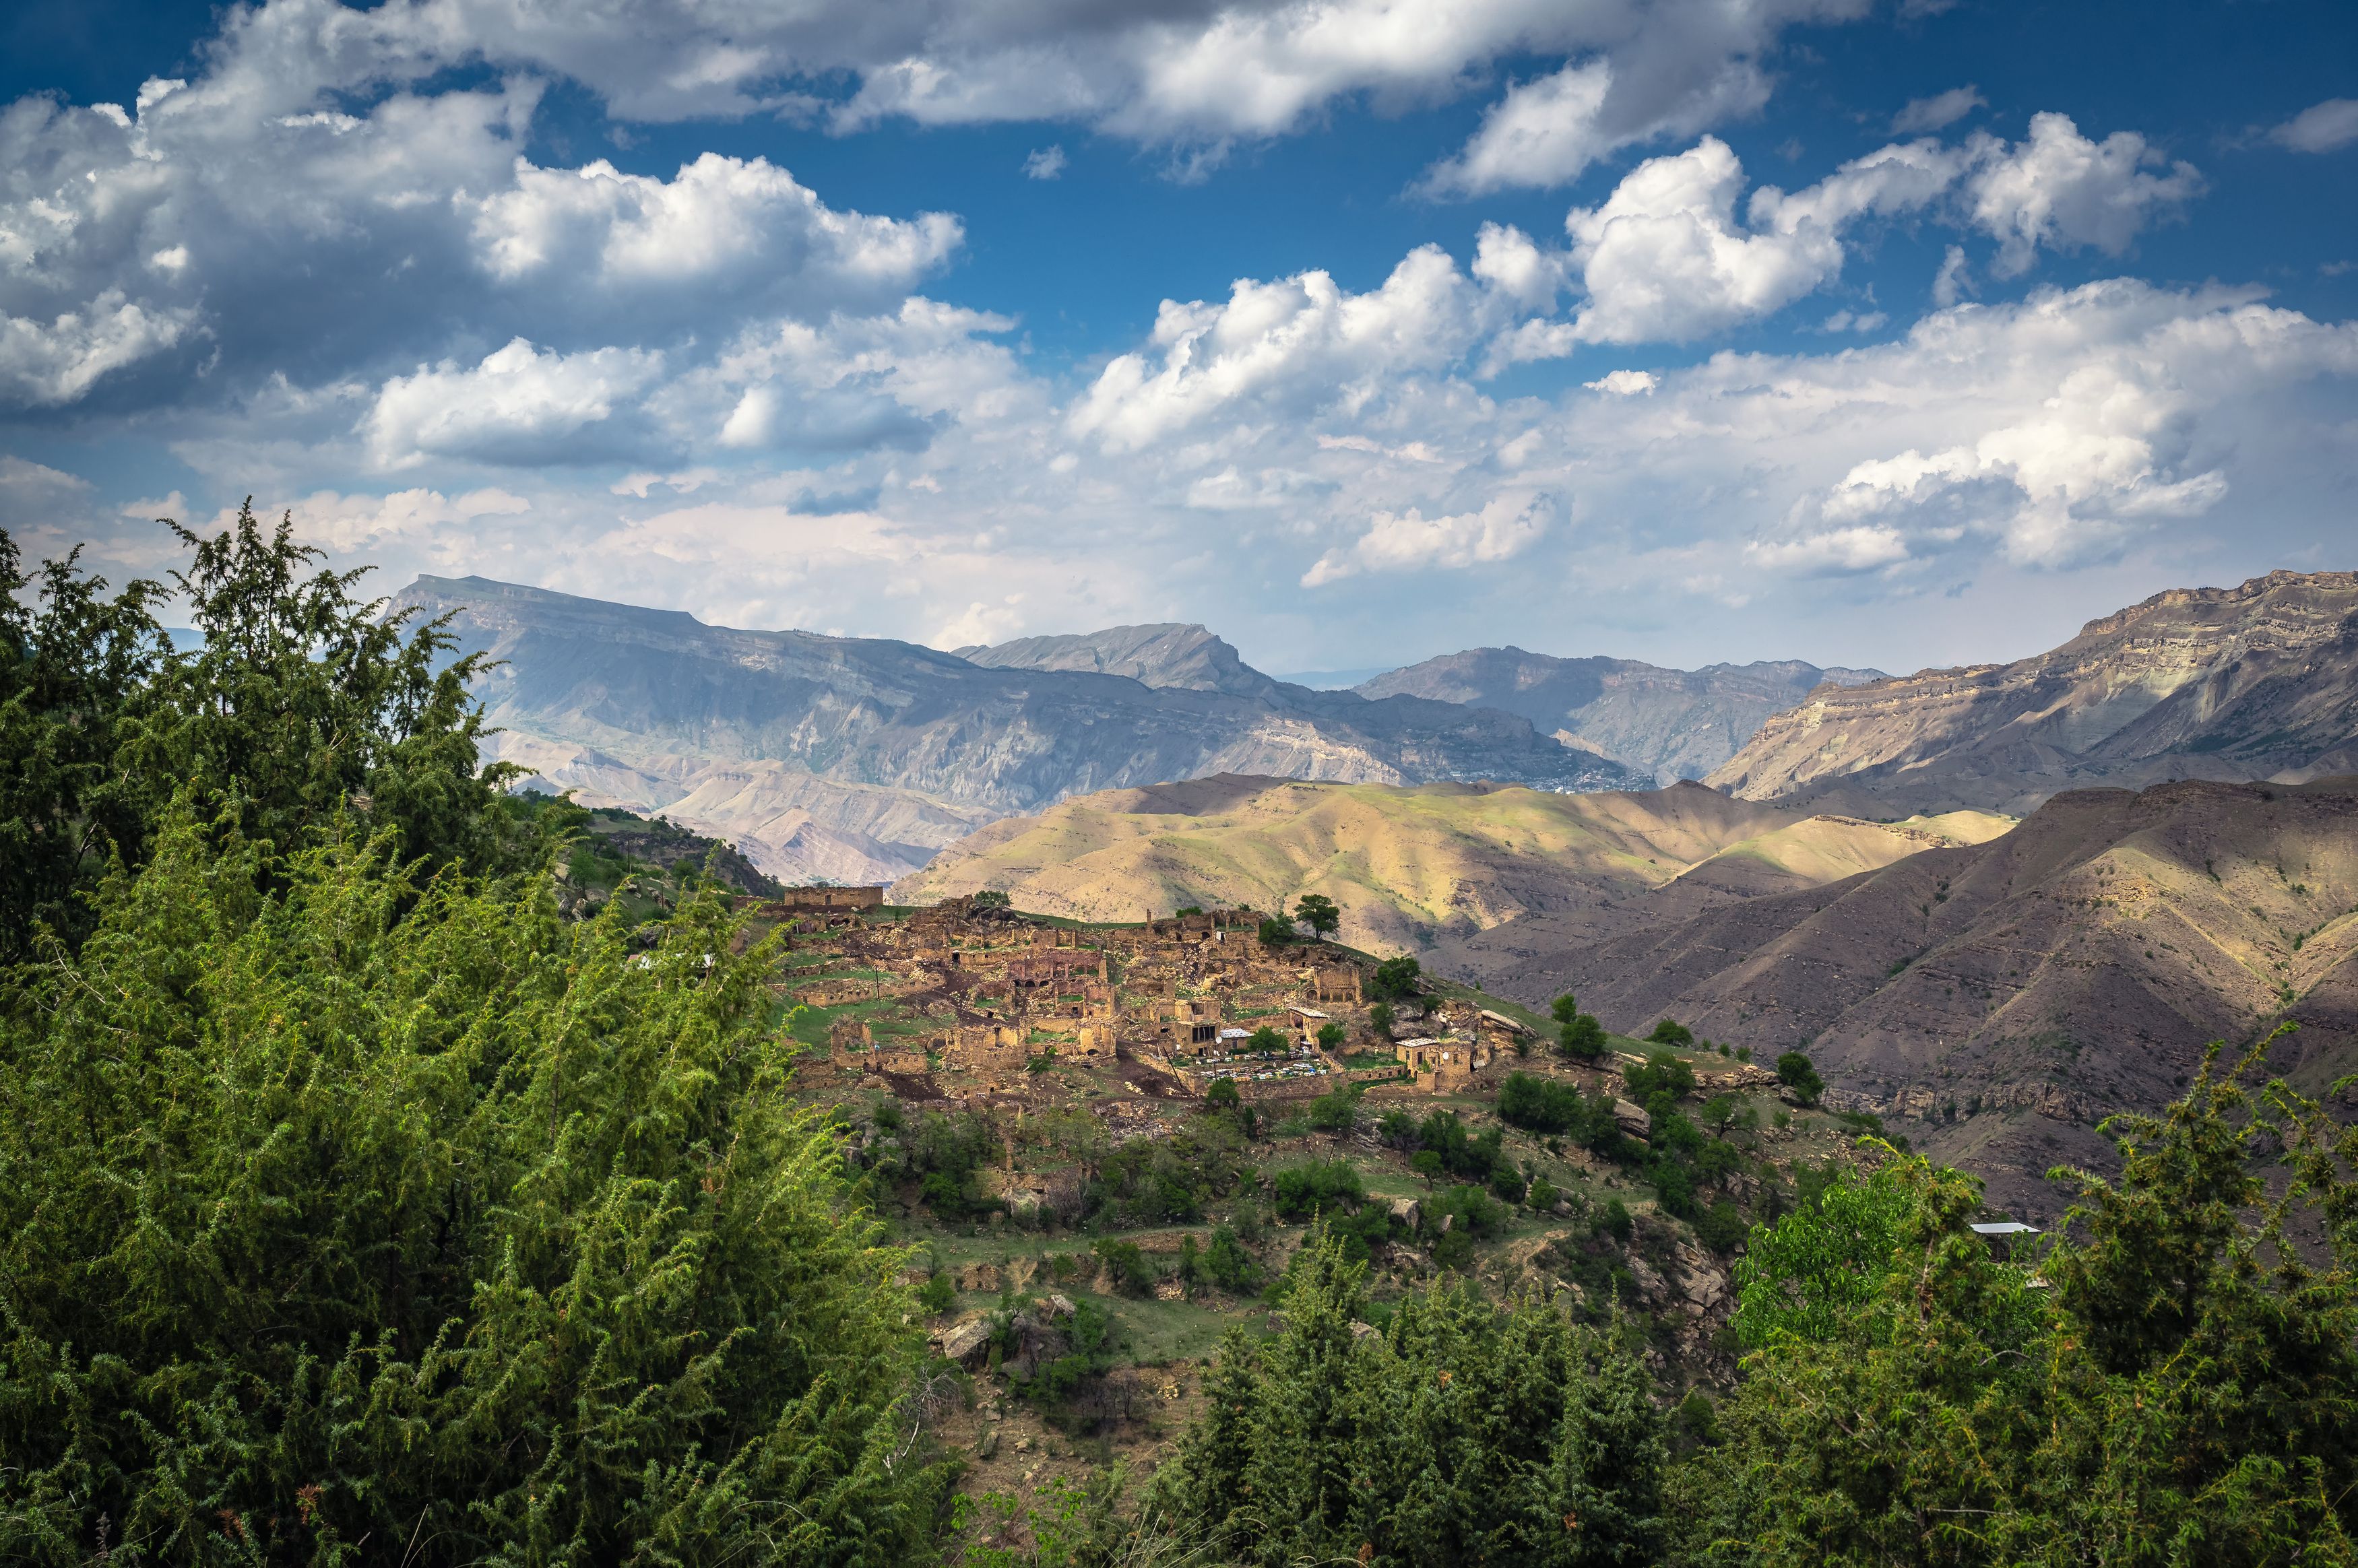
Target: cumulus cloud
[[1625, 383], [1937, 113], [2321, 128], [1407, 541], [44, 364], [1045, 163], [1297, 341], [2058, 188], [519, 405], [1665, 259]]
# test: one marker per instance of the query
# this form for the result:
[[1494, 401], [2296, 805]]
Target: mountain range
[[2259, 681], [1667, 724], [855, 759]]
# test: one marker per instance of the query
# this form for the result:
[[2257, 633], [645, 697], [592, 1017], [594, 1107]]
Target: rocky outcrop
[[1665, 724], [2252, 682]]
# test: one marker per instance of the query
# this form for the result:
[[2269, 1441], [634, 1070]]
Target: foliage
[[1318, 911], [993, 898], [303, 704], [1228, 1265], [1668, 1032], [1822, 1262], [1126, 1265], [1508, 1182], [1301, 1192], [1380, 1019], [1796, 1072], [1337, 1110], [344, 1204], [1395, 978], [1541, 1194], [2183, 1393], [1459, 1434], [1540, 1105], [1166, 1181], [1660, 1073], [1275, 931], [73, 678], [1330, 1036]]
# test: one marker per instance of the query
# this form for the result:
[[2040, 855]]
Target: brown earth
[[2000, 999]]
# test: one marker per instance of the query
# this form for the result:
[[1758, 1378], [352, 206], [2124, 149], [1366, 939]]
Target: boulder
[[962, 1342], [1408, 1211], [1632, 1118]]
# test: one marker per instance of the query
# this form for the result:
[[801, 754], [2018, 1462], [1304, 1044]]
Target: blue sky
[[1363, 330]]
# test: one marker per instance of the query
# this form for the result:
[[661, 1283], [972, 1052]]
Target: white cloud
[[719, 220], [43, 365], [1299, 342], [2320, 127], [1955, 281], [1407, 541], [519, 405], [1542, 133], [1625, 383], [2058, 188], [1664, 258], [1045, 163], [1937, 113]]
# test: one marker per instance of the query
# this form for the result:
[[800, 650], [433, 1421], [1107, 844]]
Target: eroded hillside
[[2002, 998]]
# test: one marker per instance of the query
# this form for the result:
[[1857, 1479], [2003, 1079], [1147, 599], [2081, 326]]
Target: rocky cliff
[[856, 758], [1665, 724], [2254, 682]]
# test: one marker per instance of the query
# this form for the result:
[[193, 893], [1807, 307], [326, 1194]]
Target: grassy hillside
[[1405, 864]]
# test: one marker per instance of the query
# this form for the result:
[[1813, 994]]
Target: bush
[[1127, 1266], [1304, 1190], [1267, 1040], [1541, 1195], [1228, 1265], [1539, 1105], [1469, 1208], [1508, 1182], [1798, 1073], [396, 1210], [1668, 1032], [1615, 1220], [1720, 1228], [1275, 931], [1395, 978], [1336, 1111], [938, 1293], [1660, 1073]]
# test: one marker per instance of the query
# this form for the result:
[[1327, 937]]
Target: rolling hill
[[1413, 866], [1999, 999]]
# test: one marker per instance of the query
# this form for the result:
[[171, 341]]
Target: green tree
[[1396, 978], [392, 1207], [74, 676], [1798, 1073], [1807, 1275], [1459, 1434], [1318, 911], [1719, 1114], [2182, 1392], [1330, 1036], [1670, 1032], [1266, 1041], [1275, 931], [1380, 1019]]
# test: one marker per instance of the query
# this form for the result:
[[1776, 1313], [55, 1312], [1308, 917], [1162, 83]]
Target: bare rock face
[[1995, 1001], [1667, 724], [856, 758], [2244, 683]]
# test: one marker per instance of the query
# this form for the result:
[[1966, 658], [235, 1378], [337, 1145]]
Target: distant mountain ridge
[[1667, 724], [856, 758], [2257, 681], [1168, 653]]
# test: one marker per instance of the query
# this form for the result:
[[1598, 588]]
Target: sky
[[1898, 333]]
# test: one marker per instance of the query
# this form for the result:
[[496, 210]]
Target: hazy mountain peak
[[1170, 655]]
